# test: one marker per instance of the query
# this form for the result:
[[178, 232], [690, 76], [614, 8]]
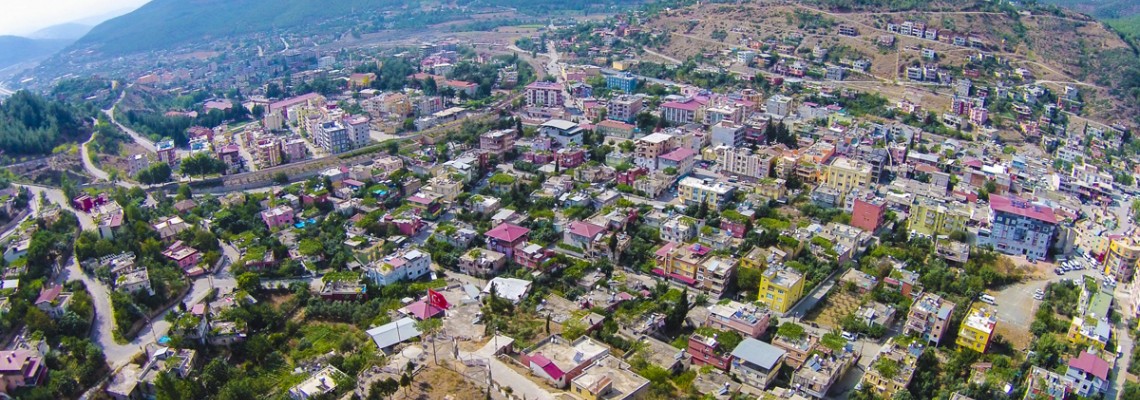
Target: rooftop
[[1021, 207]]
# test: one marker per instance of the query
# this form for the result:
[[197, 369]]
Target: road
[[143, 141], [117, 354], [90, 166]]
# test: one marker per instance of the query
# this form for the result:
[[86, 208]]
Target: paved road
[[117, 354], [89, 166], [140, 139]]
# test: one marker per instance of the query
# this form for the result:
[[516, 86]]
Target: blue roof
[[759, 353]]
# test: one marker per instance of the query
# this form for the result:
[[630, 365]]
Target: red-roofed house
[[680, 112], [1020, 227], [1089, 375], [506, 237], [581, 234], [53, 301], [21, 368], [428, 205], [706, 351], [559, 361], [185, 256], [422, 310]]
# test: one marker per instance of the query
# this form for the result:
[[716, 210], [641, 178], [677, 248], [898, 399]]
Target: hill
[[70, 30], [1101, 9], [165, 24], [16, 49], [32, 125], [1128, 26]]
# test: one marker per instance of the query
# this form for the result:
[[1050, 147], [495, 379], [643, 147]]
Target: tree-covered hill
[[33, 125]]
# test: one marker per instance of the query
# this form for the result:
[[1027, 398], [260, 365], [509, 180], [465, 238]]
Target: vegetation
[[34, 125]]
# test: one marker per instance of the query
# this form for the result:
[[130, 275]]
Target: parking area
[[1017, 306]]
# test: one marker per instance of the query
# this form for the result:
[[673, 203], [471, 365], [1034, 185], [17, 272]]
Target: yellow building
[[846, 174], [1088, 331], [932, 217], [781, 288], [772, 188], [1123, 253], [977, 329]]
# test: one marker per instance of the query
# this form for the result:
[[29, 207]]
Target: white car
[[849, 336]]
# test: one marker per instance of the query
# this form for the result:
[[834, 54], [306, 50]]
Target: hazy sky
[[18, 17]]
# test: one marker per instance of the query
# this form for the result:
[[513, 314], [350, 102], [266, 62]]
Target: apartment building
[[977, 329], [544, 94], [892, 369], [694, 191], [743, 161], [932, 217], [929, 318], [406, 264], [1021, 228], [780, 288], [648, 148], [846, 174], [748, 320], [624, 108]]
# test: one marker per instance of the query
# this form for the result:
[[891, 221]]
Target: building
[[1046, 385], [822, 370], [620, 129], [756, 363], [744, 162], [559, 361], [497, 142], [679, 229], [680, 112], [868, 212], [892, 369], [609, 378], [317, 385], [544, 94], [781, 288], [53, 301], [406, 264], [21, 368], [1088, 375], [778, 105], [565, 133], [166, 153], [748, 320], [727, 133], [185, 256], [278, 217], [929, 317], [714, 275], [682, 263], [846, 174], [137, 163], [707, 351], [1021, 228], [680, 160], [624, 108], [931, 217], [1122, 256], [693, 191], [977, 329], [482, 262], [505, 238], [648, 148], [624, 82]]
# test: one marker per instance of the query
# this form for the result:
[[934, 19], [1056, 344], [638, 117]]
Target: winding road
[[143, 141]]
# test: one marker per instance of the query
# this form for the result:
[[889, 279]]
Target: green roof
[[1100, 304]]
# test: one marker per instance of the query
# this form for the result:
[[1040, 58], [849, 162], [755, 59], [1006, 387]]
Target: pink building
[[678, 112], [185, 256], [506, 237], [570, 158], [21, 368], [294, 150], [277, 217], [868, 213]]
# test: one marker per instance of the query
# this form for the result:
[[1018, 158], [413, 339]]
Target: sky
[[21, 17]]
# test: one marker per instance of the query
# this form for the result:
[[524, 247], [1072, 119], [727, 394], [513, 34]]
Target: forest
[[33, 125]]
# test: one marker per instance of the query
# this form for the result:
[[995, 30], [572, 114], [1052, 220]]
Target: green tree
[[429, 328], [676, 317]]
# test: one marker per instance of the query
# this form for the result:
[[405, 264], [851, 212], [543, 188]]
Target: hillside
[[32, 125], [70, 30], [1101, 9], [164, 24], [16, 49], [1060, 48]]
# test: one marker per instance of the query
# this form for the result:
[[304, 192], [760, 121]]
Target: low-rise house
[[1043, 384], [505, 237], [707, 351], [861, 281], [53, 301], [134, 281], [892, 369], [559, 361], [167, 228], [1089, 375], [183, 255], [343, 290], [21, 368], [482, 262], [609, 379], [511, 289], [748, 320], [797, 348], [407, 264], [319, 384], [756, 363], [822, 370], [278, 217]]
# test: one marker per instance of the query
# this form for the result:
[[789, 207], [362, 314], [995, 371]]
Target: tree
[[405, 382], [384, 388], [155, 174], [202, 164], [184, 193], [429, 328], [280, 178], [676, 317]]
